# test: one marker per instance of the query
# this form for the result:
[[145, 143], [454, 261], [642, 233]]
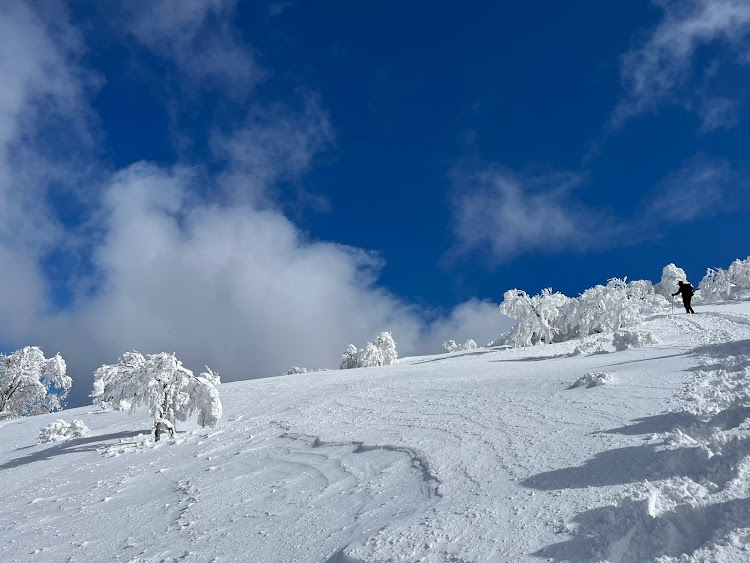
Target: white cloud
[[39, 75], [220, 281], [273, 144], [197, 37], [473, 319], [506, 215], [695, 190], [237, 288], [718, 113], [658, 68]]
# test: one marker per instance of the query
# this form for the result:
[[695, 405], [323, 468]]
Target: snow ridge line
[[417, 458]]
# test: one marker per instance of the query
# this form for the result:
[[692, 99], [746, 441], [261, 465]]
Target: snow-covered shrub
[[380, 353], [720, 285], [32, 384], [451, 346], [61, 430], [159, 382], [553, 317], [624, 339], [593, 379], [298, 370], [670, 275]]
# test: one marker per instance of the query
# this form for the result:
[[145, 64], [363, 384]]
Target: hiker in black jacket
[[687, 291]]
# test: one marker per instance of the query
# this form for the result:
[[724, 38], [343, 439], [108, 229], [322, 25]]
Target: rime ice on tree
[[733, 283], [380, 353], [32, 384], [670, 275], [452, 346], [160, 382], [553, 317]]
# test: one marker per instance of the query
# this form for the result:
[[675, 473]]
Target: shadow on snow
[[72, 446]]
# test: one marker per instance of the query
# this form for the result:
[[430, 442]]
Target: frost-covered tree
[[382, 352], [387, 346], [553, 317], [670, 275], [451, 346], [733, 283], [608, 308], [349, 358], [170, 391], [32, 384], [536, 315]]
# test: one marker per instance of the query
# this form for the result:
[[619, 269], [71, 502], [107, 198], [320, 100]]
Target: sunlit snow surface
[[486, 455]]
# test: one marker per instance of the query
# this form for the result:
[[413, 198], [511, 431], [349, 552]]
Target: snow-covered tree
[[32, 384], [670, 275], [536, 315], [170, 391], [349, 358], [387, 346], [451, 346], [553, 317], [380, 353], [618, 304], [733, 283]]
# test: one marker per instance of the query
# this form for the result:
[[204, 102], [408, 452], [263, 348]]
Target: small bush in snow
[[297, 370], [720, 285], [593, 379], [61, 430], [160, 382], [451, 346], [624, 339], [382, 352], [32, 384]]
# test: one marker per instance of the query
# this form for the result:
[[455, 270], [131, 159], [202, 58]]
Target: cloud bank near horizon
[[155, 262]]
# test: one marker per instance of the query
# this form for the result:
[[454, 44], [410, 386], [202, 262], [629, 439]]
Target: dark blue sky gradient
[[416, 91]]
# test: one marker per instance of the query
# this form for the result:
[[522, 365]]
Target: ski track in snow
[[488, 455]]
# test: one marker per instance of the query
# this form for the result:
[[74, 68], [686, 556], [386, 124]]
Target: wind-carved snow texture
[[696, 505]]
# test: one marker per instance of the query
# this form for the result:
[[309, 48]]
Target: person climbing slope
[[687, 291]]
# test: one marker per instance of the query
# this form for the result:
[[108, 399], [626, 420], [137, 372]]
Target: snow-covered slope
[[571, 451]]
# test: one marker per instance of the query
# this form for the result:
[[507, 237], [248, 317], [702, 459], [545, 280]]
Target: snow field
[[484, 455]]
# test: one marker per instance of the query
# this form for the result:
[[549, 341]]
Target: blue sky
[[255, 185]]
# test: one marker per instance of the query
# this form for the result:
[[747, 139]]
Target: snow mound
[[593, 379], [61, 430], [624, 339]]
